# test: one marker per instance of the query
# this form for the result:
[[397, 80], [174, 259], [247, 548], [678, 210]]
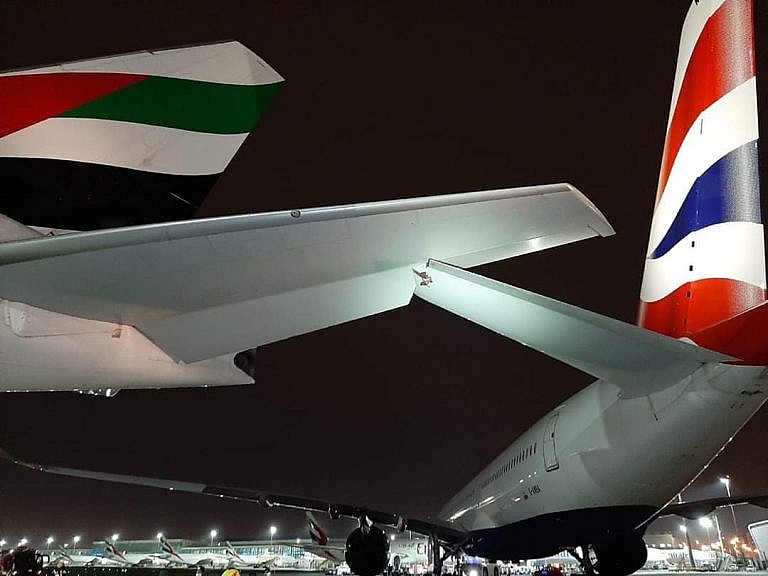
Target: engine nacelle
[[367, 554], [620, 557]]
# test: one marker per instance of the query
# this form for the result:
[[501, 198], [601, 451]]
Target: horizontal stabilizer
[[637, 360], [743, 336], [206, 288], [699, 508]]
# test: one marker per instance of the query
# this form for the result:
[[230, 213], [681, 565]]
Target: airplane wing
[[205, 288], [698, 508], [444, 531], [635, 359]]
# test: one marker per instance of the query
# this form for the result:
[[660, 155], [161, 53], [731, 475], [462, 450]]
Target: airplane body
[[600, 467], [590, 475], [169, 554], [238, 560]]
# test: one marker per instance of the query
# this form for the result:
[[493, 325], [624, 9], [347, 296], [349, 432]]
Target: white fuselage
[[598, 450]]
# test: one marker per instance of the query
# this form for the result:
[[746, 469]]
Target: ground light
[[214, 533]]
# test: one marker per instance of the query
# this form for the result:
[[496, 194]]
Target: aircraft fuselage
[[598, 466]]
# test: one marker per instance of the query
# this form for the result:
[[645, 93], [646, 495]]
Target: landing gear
[[584, 560], [437, 558], [620, 557]]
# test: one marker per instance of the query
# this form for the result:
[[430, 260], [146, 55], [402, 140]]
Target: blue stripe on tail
[[718, 196]]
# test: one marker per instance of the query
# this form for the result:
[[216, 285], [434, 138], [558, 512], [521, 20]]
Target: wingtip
[[602, 226]]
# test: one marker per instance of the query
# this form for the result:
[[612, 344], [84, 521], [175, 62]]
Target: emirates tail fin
[[131, 139]]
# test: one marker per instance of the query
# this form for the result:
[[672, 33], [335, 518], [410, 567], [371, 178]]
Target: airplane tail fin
[[130, 139], [316, 533], [705, 262], [166, 546]]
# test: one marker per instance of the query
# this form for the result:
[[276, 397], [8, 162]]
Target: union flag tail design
[[129, 139], [705, 262]]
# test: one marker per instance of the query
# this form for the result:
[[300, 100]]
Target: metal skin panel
[[616, 452], [46, 351], [254, 279]]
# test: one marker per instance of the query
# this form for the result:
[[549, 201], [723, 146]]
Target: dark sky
[[382, 100]]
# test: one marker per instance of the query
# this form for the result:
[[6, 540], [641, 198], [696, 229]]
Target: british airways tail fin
[[705, 262], [131, 139]]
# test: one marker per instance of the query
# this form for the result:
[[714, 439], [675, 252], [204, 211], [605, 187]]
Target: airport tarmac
[[145, 571]]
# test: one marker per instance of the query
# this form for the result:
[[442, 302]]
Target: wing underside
[[206, 288]]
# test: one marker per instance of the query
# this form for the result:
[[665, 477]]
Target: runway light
[[683, 528], [23, 542], [298, 540], [392, 537], [76, 539], [272, 530], [159, 535], [3, 542], [705, 522], [49, 540], [115, 537]]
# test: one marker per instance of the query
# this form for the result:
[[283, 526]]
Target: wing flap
[[204, 288], [637, 360]]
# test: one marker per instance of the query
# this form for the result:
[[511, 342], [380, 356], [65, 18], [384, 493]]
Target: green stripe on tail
[[185, 104]]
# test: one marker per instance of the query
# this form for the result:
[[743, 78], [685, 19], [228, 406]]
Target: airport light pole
[[75, 541], [2, 542], [159, 536], [726, 480], [706, 523], [214, 533], [49, 541], [684, 530], [272, 532], [115, 537]]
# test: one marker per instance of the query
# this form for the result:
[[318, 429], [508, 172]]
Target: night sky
[[382, 100]]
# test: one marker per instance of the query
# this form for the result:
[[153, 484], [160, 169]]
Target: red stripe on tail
[[31, 98], [721, 60], [744, 336], [714, 300]]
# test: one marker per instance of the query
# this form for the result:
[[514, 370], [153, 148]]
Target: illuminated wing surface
[[205, 288], [635, 359]]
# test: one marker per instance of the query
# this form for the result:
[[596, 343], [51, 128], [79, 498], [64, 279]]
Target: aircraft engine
[[367, 554], [620, 557]]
